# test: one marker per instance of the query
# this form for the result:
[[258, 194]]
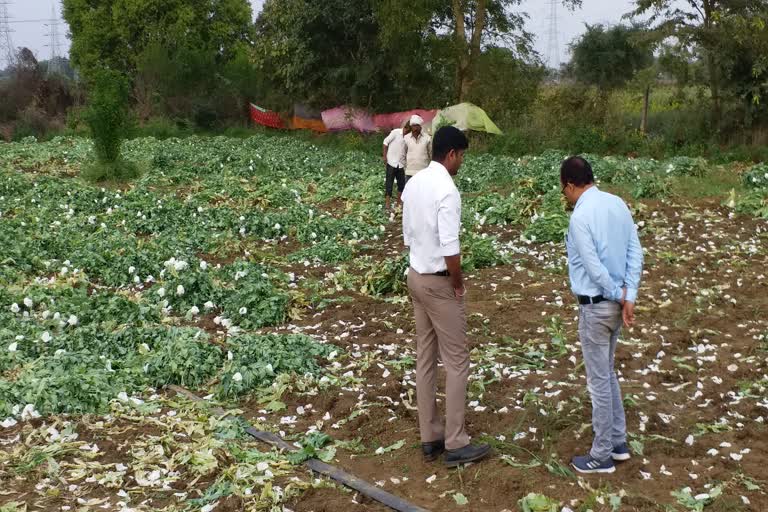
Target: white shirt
[[431, 219], [417, 153], [394, 143]]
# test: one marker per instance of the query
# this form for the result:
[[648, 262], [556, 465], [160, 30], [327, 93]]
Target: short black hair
[[446, 139], [576, 170]]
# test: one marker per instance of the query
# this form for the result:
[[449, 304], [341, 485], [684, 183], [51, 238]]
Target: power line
[[553, 43], [7, 50]]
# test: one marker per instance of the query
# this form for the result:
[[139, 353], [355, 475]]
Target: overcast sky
[[570, 25]]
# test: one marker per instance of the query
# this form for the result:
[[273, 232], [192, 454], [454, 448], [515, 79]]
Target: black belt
[[586, 299], [442, 273]]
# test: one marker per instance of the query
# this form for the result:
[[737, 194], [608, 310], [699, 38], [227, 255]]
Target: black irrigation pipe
[[318, 466]]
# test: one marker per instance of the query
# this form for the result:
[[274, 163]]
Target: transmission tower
[[54, 64], [553, 39], [7, 50]]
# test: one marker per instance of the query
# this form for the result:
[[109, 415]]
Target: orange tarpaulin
[[300, 123]]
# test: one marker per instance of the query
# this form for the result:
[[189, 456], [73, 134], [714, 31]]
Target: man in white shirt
[[417, 149], [431, 225], [392, 155]]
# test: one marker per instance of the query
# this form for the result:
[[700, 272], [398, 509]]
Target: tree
[[698, 25], [471, 25], [609, 57], [113, 33]]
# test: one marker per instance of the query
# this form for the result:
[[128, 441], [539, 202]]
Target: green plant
[[258, 359], [108, 119]]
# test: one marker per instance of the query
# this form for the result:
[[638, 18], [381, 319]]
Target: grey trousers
[[599, 328]]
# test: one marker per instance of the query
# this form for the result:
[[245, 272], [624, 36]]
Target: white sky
[[570, 25]]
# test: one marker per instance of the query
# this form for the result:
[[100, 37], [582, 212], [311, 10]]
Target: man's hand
[[460, 292], [623, 299], [628, 313]]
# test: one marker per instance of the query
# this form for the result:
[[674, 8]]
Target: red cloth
[[266, 117]]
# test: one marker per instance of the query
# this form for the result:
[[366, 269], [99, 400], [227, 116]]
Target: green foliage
[[479, 252], [698, 502], [387, 277], [186, 357], [67, 382], [609, 57], [107, 114], [116, 170], [756, 176], [258, 359], [650, 186], [312, 447], [550, 222], [538, 503]]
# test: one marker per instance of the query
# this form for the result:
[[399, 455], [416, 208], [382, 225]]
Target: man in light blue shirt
[[605, 262]]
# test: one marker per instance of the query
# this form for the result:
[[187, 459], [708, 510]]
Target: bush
[[108, 118]]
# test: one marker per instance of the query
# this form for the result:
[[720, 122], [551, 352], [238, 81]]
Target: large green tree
[[701, 26], [113, 33], [609, 57], [176, 53]]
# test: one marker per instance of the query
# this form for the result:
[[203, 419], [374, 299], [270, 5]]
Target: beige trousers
[[441, 326]]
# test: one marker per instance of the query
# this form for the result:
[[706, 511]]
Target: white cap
[[416, 119]]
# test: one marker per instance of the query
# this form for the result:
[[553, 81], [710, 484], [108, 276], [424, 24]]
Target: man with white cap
[[417, 148]]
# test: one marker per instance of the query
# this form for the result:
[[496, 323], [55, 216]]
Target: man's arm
[[634, 270], [632, 277], [448, 226], [585, 248], [457, 279], [387, 142], [404, 155]]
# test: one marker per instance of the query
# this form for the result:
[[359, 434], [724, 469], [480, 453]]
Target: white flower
[[72, 320], [28, 302], [277, 227], [230, 356], [208, 305], [262, 466], [179, 290], [12, 347], [15, 308], [161, 292], [203, 265], [131, 269], [46, 337], [243, 310], [237, 377], [180, 265], [194, 310]]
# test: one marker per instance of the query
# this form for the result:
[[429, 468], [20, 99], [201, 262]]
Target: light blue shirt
[[604, 253]]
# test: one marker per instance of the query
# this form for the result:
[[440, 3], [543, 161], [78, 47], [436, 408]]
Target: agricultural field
[[264, 276]]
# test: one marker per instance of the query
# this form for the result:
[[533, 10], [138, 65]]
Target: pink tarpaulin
[[348, 118], [396, 120]]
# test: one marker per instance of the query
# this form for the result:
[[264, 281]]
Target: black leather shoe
[[432, 450], [469, 453]]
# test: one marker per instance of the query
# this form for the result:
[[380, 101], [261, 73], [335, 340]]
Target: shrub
[[108, 119]]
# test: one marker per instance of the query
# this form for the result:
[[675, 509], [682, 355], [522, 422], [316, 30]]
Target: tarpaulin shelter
[[466, 116], [266, 117]]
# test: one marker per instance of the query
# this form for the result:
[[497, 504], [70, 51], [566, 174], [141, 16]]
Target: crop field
[[264, 276]]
